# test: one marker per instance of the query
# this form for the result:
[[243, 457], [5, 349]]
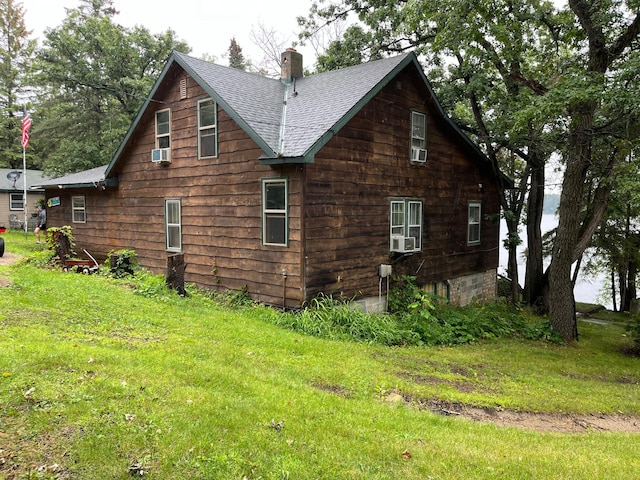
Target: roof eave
[[286, 160], [106, 182]]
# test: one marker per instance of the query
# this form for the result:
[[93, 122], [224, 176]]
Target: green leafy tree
[[236, 58], [94, 75], [16, 53], [597, 106], [341, 52]]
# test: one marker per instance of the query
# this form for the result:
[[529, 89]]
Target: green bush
[[122, 262], [438, 323], [633, 328]]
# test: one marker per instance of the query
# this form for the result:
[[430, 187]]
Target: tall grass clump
[[329, 317], [415, 317]]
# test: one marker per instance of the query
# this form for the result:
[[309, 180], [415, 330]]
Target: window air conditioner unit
[[161, 155], [403, 244], [419, 155]]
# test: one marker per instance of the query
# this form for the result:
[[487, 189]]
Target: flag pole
[[24, 177], [26, 125]]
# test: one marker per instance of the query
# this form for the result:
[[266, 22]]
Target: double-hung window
[[406, 225], [274, 211], [16, 201], [173, 225], [473, 230], [418, 137], [207, 129], [163, 129], [78, 209]]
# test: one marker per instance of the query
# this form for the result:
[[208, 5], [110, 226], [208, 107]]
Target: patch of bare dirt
[[7, 259], [540, 422]]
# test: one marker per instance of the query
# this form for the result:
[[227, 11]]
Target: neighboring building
[[12, 212], [295, 186]]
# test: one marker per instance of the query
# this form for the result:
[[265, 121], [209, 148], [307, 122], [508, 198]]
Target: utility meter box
[[385, 270]]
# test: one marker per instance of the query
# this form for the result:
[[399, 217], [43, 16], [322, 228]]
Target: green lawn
[[98, 381]]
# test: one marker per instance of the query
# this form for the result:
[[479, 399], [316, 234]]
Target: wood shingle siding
[[342, 143]]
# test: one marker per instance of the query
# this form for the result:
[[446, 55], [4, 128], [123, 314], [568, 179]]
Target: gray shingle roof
[[34, 177], [326, 101], [253, 99], [289, 123], [86, 178]]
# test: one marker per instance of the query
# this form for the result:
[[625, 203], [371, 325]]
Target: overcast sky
[[206, 25]]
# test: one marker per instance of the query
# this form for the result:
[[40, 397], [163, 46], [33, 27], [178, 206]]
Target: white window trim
[[167, 225], [163, 135], [266, 211], [470, 223], [11, 202], [75, 209], [418, 141], [418, 225], [404, 228], [201, 128]]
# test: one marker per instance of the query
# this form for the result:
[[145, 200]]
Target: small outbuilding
[[12, 199]]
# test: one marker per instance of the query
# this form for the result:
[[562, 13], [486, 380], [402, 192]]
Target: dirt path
[[540, 422]]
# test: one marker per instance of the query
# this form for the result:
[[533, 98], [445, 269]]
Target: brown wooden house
[[294, 186]]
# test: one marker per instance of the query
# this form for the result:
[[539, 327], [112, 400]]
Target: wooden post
[[62, 246], [175, 273]]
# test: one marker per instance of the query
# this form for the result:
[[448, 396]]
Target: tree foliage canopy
[[93, 76], [16, 52]]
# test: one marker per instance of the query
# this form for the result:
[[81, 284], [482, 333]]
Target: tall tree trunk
[[512, 262], [613, 289], [562, 301], [534, 283]]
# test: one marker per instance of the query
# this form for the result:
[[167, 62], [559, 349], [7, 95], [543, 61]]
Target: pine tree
[[16, 52], [236, 58]]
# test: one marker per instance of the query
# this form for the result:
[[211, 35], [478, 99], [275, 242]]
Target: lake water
[[587, 289]]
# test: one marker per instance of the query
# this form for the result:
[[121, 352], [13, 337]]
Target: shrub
[[62, 242], [438, 323], [122, 262], [633, 328]]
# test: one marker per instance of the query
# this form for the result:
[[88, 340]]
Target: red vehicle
[[2, 230]]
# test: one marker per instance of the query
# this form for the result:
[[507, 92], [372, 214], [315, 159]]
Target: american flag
[[26, 125]]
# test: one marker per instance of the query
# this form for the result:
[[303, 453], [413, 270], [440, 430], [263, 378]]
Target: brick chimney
[[291, 65]]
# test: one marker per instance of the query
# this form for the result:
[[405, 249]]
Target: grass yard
[[99, 380]]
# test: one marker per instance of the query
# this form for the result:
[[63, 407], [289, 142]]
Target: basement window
[[275, 212]]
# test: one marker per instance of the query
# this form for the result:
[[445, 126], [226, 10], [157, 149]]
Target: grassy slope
[[191, 390]]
